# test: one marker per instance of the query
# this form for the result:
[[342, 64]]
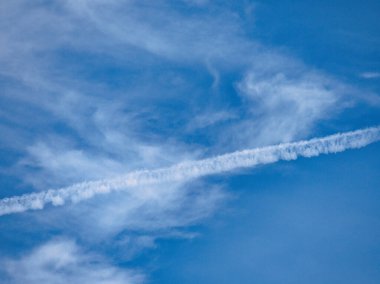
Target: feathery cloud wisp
[[370, 75], [193, 169], [64, 261]]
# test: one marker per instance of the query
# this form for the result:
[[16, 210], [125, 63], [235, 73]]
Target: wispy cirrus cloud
[[63, 261], [286, 104], [370, 75]]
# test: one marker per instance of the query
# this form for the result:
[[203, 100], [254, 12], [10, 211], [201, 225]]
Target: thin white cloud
[[63, 261], [370, 75], [210, 119], [194, 169], [180, 36], [286, 100]]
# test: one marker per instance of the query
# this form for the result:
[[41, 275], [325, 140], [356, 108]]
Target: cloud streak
[[63, 261], [193, 169], [370, 75]]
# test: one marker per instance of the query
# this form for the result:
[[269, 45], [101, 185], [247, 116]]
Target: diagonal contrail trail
[[193, 169]]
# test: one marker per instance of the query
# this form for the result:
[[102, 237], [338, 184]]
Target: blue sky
[[94, 90]]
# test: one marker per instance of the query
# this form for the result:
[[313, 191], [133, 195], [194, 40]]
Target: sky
[[139, 141]]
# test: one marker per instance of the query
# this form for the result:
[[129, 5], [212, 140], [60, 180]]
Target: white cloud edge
[[370, 75], [62, 260]]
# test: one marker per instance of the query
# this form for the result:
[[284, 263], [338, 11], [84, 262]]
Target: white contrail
[[193, 169]]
